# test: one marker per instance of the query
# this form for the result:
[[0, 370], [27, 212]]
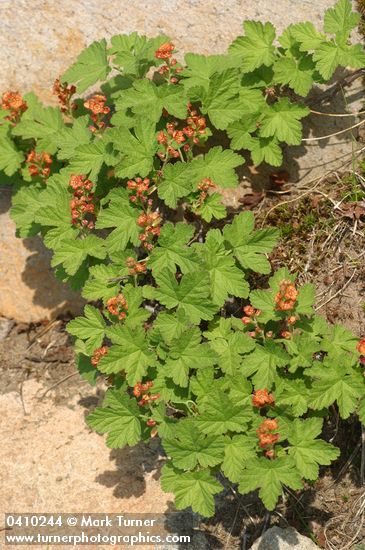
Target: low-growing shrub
[[124, 187]]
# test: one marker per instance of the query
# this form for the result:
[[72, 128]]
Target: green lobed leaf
[[238, 451], [270, 476], [130, 353], [147, 101], [25, 204], [187, 352], [40, 123], [195, 489], [10, 158], [340, 20], [122, 216], [212, 208], [70, 138], [191, 295], [188, 448], [220, 415], [281, 120], [256, 47], [91, 328], [73, 252], [172, 250], [119, 418], [336, 383], [137, 146], [263, 362], [90, 67], [248, 245], [308, 452], [135, 53], [225, 277]]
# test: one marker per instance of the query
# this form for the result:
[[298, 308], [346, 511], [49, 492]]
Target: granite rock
[[283, 539], [41, 38]]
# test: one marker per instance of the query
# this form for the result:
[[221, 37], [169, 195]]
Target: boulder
[[33, 55], [29, 291], [283, 539]]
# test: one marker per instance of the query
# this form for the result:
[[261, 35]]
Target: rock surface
[[52, 462], [29, 290], [33, 55], [283, 539]]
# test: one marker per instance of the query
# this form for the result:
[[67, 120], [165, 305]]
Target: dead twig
[[338, 292], [43, 332], [22, 398], [231, 530], [58, 384]]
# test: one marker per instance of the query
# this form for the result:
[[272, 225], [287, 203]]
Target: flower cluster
[[140, 188], [64, 94], [150, 222], [286, 297], [96, 105], [39, 164], [136, 268], [204, 187], [261, 398], [171, 69], [170, 139], [196, 126], [82, 204], [118, 306], [165, 51], [13, 102], [98, 354], [266, 437], [143, 391], [250, 315]]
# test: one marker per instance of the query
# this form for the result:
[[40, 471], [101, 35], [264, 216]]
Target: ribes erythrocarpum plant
[[123, 185]]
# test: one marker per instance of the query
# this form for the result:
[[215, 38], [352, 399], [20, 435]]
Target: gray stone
[[283, 539]]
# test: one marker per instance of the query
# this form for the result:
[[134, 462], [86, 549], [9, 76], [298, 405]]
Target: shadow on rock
[[49, 292], [131, 466]]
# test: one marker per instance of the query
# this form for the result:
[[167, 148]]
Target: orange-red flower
[[13, 102], [139, 188], [135, 268], [118, 306], [39, 164], [261, 398], [286, 297], [150, 222], [64, 94], [267, 425], [140, 389], [98, 354], [82, 204], [361, 346], [268, 439], [96, 105], [264, 431], [249, 311], [246, 320], [165, 51]]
